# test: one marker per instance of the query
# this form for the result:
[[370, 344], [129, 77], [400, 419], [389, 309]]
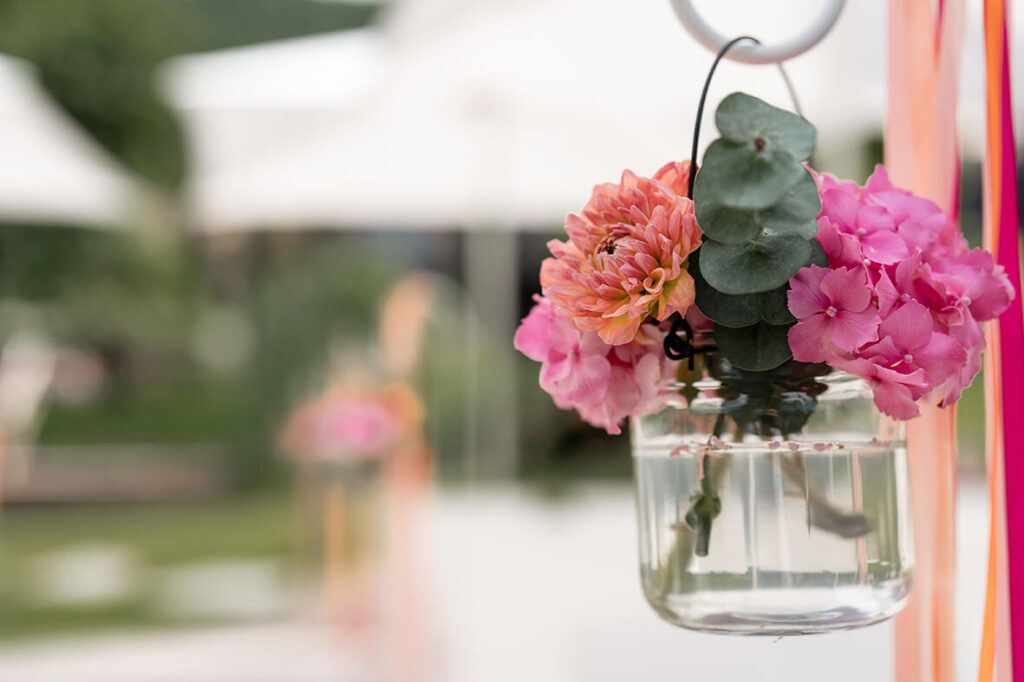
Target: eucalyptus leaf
[[761, 265], [798, 205], [727, 310], [756, 348], [740, 176], [806, 230], [743, 118], [793, 213], [773, 306], [724, 224], [818, 256]]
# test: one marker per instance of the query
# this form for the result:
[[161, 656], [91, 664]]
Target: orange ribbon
[[922, 155], [1004, 600]]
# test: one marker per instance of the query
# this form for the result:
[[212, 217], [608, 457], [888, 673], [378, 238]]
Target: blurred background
[[234, 233]]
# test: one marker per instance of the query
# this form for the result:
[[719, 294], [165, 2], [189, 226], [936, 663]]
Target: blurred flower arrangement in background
[[343, 441], [352, 422]]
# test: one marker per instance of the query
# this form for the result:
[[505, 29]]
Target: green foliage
[[219, 24], [756, 204], [108, 289], [97, 59], [755, 348], [161, 536], [762, 264], [798, 206], [793, 213], [745, 119], [740, 310], [742, 176]]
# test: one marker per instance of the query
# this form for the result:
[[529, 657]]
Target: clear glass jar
[[773, 507]]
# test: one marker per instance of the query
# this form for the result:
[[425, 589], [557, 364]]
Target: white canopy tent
[[249, 104], [478, 112], [51, 170], [492, 114]]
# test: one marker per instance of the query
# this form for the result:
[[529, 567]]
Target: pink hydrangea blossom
[[900, 263], [870, 225], [625, 259], [835, 310], [908, 343], [604, 383]]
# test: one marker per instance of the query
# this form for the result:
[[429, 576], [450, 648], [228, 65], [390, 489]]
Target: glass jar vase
[[772, 503]]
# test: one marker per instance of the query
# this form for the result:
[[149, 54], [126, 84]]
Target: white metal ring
[[758, 54]]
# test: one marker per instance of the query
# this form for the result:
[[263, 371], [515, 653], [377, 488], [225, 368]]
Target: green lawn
[[160, 535]]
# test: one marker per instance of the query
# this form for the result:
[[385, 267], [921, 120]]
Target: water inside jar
[[806, 541]]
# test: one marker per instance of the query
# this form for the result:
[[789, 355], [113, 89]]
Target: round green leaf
[[797, 206], [724, 224], [756, 348], [763, 264], [730, 311], [807, 230], [818, 256], [794, 213], [773, 306], [740, 176], [743, 118]]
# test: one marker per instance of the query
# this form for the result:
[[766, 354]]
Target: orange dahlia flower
[[625, 259]]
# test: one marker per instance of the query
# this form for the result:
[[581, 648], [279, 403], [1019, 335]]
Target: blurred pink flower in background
[[624, 261], [923, 288], [604, 383], [352, 423]]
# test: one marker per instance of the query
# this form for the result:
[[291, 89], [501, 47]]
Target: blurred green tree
[[97, 59]]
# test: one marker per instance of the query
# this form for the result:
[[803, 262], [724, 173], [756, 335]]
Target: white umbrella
[[51, 170], [507, 113], [252, 102]]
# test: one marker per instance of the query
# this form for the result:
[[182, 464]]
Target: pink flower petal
[[805, 297], [846, 289], [940, 357], [897, 401], [531, 338], [852, 330], [879, 180], [884, 247], [910, 326], [841, 208], [887, 294], [590, 379], [808, 339], [840, 248]]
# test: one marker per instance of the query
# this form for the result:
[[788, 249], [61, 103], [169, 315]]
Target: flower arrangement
[[352, 423], [791, 274]]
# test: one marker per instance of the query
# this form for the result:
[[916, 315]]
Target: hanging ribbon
[[922, 155], [1002, 645]]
